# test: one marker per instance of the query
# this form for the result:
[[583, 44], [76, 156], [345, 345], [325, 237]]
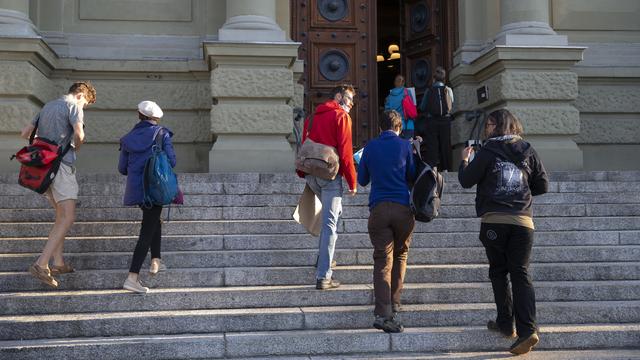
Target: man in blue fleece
[[387, 162]]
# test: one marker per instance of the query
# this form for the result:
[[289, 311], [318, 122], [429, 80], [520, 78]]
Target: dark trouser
[[390, 229], [508, 248], [437, 143], [150, 234]]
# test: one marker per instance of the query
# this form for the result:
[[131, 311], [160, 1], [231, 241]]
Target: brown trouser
[[390, 229]]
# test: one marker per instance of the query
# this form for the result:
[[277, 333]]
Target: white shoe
[[157, 266], [135, 286]]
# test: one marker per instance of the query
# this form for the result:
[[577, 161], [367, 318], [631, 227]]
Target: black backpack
[[439, 103], [426, 191]]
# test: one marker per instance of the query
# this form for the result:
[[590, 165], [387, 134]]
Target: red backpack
[[40, 161], [408, 107]]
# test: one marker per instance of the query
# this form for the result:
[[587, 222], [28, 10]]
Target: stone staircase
[[241, 275]]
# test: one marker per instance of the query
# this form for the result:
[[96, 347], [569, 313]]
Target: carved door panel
[[338, 46], [422, 36]]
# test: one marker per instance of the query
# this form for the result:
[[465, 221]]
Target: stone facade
[[575, 83], [226, 73]]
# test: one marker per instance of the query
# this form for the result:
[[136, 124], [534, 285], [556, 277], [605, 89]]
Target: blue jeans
[[330, 194]]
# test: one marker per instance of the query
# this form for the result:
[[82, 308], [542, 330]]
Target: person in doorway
[[436, 106], [331, 125], [135, 150], [507, 172], [61, 120], [394, 102], [387, 163]]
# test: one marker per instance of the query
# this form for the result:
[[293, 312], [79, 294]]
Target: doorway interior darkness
[[414, 36]]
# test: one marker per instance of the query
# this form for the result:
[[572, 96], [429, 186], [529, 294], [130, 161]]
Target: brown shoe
[[44, 275], [64, 269]]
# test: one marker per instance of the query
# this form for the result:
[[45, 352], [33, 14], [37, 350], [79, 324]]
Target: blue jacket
[[135, 149], [394, 102], [387, 162]]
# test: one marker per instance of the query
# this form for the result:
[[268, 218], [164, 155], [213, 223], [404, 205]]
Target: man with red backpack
[[436, 105], [61, 121]]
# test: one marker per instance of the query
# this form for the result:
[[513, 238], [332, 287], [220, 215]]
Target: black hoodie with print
[[508, 172]]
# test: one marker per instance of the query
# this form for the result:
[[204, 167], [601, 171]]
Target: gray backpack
[[426, 191]]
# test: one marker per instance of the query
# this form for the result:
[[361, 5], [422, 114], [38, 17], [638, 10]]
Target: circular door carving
[[420, 17], [334, 65], [333, 10], [421, 73]]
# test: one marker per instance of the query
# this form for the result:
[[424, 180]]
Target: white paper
[[412, 92]]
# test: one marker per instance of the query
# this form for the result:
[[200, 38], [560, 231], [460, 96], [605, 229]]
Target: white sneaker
[[157, 266], [135, 286]]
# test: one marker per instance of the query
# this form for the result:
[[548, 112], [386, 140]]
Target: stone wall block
[[557, 85], [608, 98], [251, 119], [16, 113], [609, 129], [22, 78], [548, 120], [254, 83]]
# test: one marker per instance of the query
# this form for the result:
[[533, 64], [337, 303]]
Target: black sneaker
[[493, 326], [325, 284], [392, 325], [334, 264], [524, 344]]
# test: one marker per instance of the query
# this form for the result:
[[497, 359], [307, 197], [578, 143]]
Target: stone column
[[14, 19], [251, 20], [528, 70], [471, 30], [526, 22], [252, 89]]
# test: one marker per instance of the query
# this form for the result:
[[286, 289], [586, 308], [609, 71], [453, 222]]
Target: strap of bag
[[158, 139], [66, 139], [310, 122]]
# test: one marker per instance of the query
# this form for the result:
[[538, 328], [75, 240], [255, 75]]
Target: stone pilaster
[[538, 86], [252, 86]]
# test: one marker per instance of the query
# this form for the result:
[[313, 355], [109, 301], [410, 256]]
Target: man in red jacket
[[332, 126]]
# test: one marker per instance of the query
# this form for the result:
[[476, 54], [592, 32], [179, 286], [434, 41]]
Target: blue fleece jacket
[[135, 149], [394, 102], [387, 162]]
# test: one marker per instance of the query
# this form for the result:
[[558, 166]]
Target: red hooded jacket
[[332, 126]]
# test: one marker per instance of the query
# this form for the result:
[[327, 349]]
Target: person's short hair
[[341, 89], [142, 116], [390, 120], [85, 88], [440, 74], [506, 123]]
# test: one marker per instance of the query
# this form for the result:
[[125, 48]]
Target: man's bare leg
[[65, 216]]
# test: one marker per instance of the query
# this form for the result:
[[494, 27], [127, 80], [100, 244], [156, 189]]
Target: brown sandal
[[44, 275], [64, 269]]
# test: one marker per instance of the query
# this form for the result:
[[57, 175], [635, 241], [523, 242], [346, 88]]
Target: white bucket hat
[[150, 109]]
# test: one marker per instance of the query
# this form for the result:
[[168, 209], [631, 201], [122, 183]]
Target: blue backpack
[[160, 184]]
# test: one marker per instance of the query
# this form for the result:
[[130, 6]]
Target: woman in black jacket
[[508, 173]]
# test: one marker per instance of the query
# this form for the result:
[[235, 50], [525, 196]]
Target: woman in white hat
[[135, 149]]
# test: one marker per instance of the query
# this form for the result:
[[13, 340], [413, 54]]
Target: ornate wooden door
[[421, 43], [339, 46]]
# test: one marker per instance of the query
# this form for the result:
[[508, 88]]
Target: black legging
[[150, 235]]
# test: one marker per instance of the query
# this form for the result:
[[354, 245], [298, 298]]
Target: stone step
[[556, 176], [87, 301], [86, 244], [285, 212], [36, 201], [116, 189], [307, 257], [29, 327], [214, 227], [316, 342], [360, 274]]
